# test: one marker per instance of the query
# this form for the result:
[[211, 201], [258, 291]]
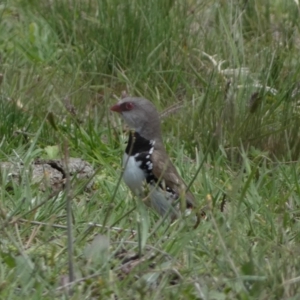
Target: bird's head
[[140, 115]]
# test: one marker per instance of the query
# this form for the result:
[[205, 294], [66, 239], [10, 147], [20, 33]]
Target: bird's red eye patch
[[126, 106]]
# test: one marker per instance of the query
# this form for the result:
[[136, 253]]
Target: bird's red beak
[[116, 108]]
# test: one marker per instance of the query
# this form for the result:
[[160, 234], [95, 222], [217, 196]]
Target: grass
[[232, 71]]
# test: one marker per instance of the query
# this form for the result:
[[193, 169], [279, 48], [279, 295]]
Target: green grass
[[232, 68]]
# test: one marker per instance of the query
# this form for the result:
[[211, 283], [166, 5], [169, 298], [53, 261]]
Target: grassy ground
[[232, 70]]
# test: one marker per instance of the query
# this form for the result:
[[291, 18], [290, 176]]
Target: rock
[[50, 173]]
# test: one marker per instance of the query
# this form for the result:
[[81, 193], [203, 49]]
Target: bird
[[147, 168]]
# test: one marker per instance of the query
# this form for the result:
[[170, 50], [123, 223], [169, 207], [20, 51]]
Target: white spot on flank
[[148, 156], [151, 150]]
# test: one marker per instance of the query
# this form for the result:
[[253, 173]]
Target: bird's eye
[[126, 106], [129, 105]]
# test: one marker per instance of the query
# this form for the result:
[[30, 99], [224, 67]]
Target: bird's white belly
[[133, 175]]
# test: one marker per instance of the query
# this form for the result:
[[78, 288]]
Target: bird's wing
[[168, 177]]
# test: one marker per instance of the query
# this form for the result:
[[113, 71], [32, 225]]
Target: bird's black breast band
[[137, 144]]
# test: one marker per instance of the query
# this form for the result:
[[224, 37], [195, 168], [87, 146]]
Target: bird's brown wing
[[167, 175]]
